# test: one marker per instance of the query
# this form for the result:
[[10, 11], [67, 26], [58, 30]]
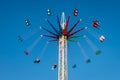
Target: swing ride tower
[[62, 58], [62, 36]]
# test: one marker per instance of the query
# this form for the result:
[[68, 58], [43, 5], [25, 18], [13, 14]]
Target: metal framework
[[63, 64]]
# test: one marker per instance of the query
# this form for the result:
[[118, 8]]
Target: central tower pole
[[63, 58]]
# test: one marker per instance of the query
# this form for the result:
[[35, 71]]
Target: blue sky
[[15, 65]]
